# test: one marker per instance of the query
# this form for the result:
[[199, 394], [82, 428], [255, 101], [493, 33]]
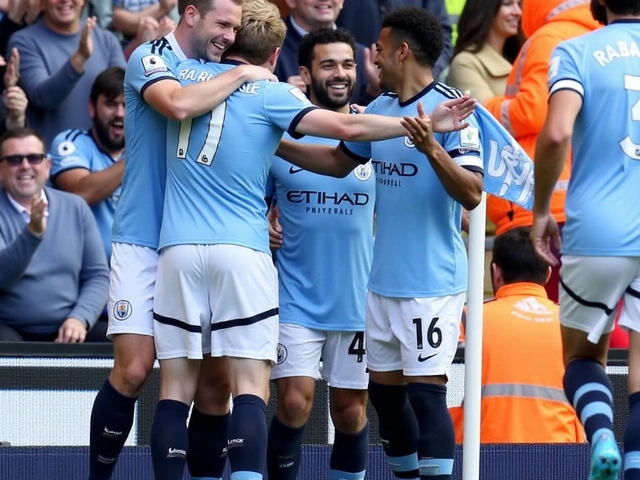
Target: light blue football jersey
[[218, 163], [324, 262], [138, 215], [418, 251], [78, 149], [601, 205]]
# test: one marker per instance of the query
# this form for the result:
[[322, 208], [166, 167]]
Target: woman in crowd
[[488, 43]]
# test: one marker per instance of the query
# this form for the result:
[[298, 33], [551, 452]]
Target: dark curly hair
[[324, 36], [419, 29]]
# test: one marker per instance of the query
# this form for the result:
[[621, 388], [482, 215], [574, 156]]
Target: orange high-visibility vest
[[523, 400], [523, 109]]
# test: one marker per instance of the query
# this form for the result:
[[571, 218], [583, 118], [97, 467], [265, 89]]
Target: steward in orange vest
[[523, 399]]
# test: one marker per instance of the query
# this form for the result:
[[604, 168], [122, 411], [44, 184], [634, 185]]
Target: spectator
[[305, 17], [363, 18], [487, 46], [19, 14], [60, 59], [127, 15], [54, 279], [523, 109], [149, 29], [14, 100], [90, 162], [522, 366]]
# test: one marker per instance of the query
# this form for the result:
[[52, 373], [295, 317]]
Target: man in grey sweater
[[54, 278], [60, 57]]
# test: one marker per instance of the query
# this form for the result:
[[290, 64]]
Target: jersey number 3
[[632, 82], [215, 120]]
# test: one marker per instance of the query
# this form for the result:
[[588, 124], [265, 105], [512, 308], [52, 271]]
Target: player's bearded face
[[333, 74], [599, 12]]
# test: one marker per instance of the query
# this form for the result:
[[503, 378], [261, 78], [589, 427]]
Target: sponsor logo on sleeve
[[153, 64]]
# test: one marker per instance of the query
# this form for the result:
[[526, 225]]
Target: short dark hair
[[324, 36], [109, 83], [514, 254], [21, 132], [623, 7], [418, 28]]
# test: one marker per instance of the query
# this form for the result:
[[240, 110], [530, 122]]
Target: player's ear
[[92, 110], [191, 15], [305, 74], [273, 58]]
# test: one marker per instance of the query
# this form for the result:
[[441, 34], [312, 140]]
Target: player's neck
[[343, 109], [182, 36], [237, 59], [612, 17], [414, 80]]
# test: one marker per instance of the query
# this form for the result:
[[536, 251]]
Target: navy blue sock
[[169, 440], [398, 428], [632, 440], [111, 421], [284, 450], [588, 389], [349, 455], [437, 438], [207, 453], [247, 444]]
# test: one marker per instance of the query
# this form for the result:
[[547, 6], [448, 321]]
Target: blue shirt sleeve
[[67, 153], [285, 105], [147, 66], [465, 146], [564, 73]]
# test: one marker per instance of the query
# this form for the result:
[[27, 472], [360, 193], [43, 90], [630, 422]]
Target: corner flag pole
[[473, 343]]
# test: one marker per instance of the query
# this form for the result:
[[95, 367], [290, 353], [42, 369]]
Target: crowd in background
[[63, 69]]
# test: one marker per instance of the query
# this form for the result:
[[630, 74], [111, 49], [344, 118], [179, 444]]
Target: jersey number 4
[[215, 120], [632, 82]]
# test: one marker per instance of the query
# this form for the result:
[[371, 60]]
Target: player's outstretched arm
[[363, 128], [321, 159], [178, 103]]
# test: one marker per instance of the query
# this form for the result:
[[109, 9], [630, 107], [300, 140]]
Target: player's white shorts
[[217, 299], [343, 356], [131, 286], [590, 289], [416, 335]]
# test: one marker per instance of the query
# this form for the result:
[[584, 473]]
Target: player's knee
[[294, 406], [213, 397], [349, 418], [129, 378], [388, 400]]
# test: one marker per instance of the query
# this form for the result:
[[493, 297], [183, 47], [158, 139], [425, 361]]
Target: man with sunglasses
[[50, 249]]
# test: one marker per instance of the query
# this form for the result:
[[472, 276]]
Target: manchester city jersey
[[138, 215], [218, 163], [418, 250], [604, 68], [78, 149], [324, 262]]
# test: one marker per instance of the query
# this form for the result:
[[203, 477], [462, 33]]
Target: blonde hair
[[261, 32]]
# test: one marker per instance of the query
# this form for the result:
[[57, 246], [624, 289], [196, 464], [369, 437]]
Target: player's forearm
[[369, 128], [99, 186], [463, 185], [550, 158], [202, 97], [320, 159]]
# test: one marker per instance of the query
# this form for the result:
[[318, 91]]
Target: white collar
[[299, 29], [22, 211], [175, 46]]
